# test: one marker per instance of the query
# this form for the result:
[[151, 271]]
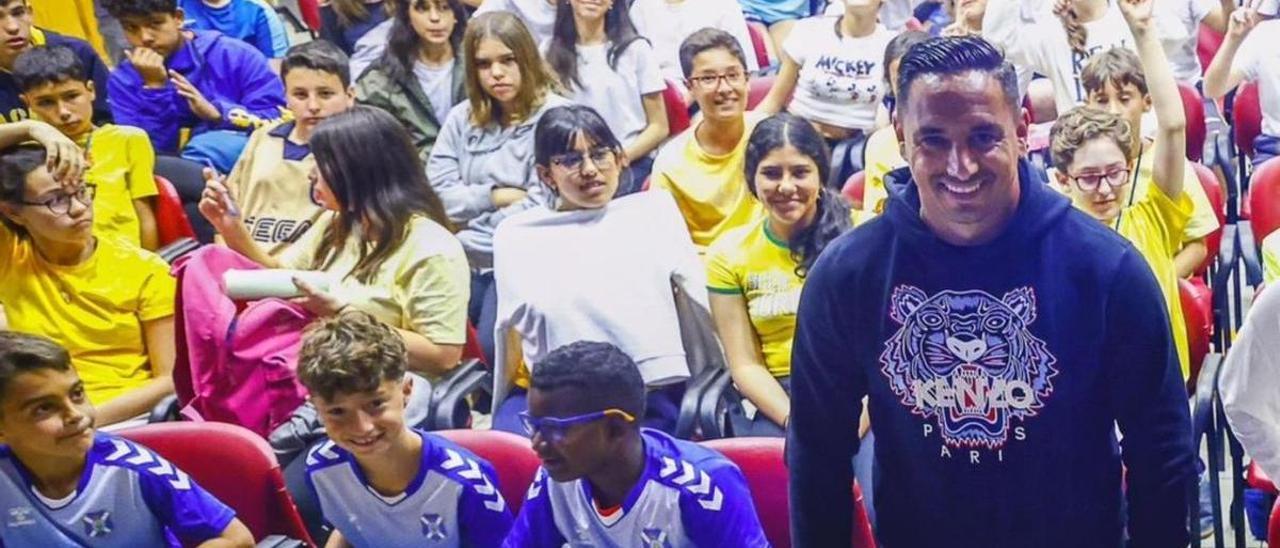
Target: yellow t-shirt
[[270, 182], [883, 155], [423, 286], [72, 18], [124, 170], [711, 191], [1271, 258], [754, 262], [1155, 224], [1203, 219], [94, 309]]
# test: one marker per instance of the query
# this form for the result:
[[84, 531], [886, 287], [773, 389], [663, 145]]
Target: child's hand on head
[[150, 65], [66, 162]]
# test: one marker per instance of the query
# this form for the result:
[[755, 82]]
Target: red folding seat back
[[233, 464], [1264, 200], [171, 218], [1209, 182], [855, 188], [760, 460], [1193, 106], [512, 458], [677, 109]]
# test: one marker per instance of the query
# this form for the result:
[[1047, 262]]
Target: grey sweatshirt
[[468, 162]]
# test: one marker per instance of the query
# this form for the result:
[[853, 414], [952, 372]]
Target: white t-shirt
[[667, 24], [615, 92], [1249, 382], [437, 85], [1041, 45], [538, 15], [1259, 60], [841, 79], [1178, 22]]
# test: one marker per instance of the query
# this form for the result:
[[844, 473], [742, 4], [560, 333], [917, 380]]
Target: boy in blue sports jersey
[[607, 482], [63, 484], [380, 483]]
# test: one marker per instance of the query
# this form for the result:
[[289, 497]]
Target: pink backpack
[[234, 365]]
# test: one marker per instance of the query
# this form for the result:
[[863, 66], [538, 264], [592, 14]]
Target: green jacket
[[404, 99]]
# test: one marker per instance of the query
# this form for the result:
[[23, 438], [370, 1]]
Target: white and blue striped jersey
[[453, 501], [127, 497], [688, 495]]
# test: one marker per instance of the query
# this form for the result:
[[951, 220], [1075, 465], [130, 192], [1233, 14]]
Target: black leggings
[[188, 179]]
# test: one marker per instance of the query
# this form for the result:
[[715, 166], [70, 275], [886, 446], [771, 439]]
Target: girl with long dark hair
[[419, 77], [605, 64], [755, 272], [385, 241]]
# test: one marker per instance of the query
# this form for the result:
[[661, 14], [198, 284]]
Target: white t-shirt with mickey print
[[841, 78]]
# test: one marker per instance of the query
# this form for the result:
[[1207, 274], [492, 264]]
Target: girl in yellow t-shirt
[[755, 272], [385, 240], [106, 300]]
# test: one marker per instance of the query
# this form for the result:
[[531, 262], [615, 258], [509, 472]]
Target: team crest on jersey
[[433, 527], [969, 361], [654, 538], [97, 524]]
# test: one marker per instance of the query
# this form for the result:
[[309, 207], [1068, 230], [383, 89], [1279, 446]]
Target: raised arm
[[1171, 120], [1222, 76]]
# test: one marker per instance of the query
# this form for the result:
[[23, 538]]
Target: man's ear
[[406, 386], [897, 131], [1023, 130]]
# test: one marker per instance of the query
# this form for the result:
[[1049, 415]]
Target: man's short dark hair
[[954, 55], [599, 375], [139, 8], [705, 39], [319, 55], [45, 65], [23, 353]]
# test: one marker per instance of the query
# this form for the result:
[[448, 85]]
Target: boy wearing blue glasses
[[605, 481], [379, 482]]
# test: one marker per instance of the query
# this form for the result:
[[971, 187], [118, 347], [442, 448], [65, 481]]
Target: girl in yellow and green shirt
[[755, 272]]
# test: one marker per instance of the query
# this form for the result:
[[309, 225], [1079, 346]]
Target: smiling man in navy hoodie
[[1000, 335]]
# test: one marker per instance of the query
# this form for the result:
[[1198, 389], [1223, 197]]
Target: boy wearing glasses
[[1095, 159], [56, 88], [104, 299], [379, 482], [702, 167], [605, 481]]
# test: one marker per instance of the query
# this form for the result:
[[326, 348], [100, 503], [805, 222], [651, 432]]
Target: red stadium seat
[[511, 455], [233, 464], [1247, 113], [760, 43], [1197, 313], [1207, 44], [761, 462], [1258, 479], [855, 188], [1264, 200], [677, 109], [758, 89], [1213, 191], [1193, 106], [171, 218]]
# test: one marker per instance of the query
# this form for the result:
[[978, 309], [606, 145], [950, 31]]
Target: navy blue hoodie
[[996, 376]]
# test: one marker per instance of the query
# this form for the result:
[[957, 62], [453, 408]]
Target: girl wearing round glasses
[[755, 272], [103, 298], [1091, 150], [605, 64], [593, 268]]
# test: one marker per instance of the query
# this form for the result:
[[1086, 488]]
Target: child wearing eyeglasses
[[702, 167], [1095, 160], [100, 296], [605, 481], [379, 482]]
